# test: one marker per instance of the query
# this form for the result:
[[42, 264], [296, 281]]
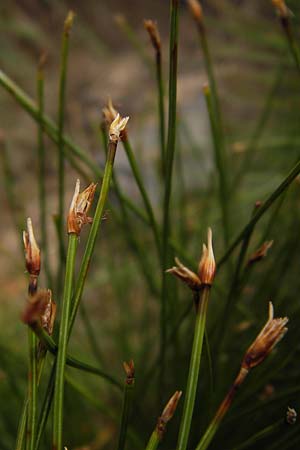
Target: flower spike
[[207, 265], [116, 127], [80, 206]]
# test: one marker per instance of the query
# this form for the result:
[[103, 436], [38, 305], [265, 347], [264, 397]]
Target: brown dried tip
[[109, 112], [168, 413], [281, 8], [32, 251], [291, 416], [152, 29], [186, 275], [69, 22], [196, 10], [207, 265], [130, 371], [48, 314], [42, 61], [80, 207], [35, 307], [270, 335], [116, 127], [261, 252]]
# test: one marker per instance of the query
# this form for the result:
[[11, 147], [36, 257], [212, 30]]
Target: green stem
[[126, 412], [292, 44], [143, 192], [161, 108], [170, 150], [32, 391], [191, 388], [153, 441], [260, 435], [60, 144], [42, 172], [57, 443]]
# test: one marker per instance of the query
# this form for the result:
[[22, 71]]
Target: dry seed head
[[270, 335], [186, 275], [152, 29], [281, 8], [69, 22], [207, 265], [48, 314], [32, 251], [35, 307], [291, 416], [109, 112], [130, 371], [261, 252], [196, 10], [167, 413], [116, 127], [80, 206]]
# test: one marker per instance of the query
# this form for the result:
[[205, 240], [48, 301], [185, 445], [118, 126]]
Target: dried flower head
[[168, 413], [48, 314], [291, 416], [35, 307], [270, 335], [109, 112], [207, 265], [196, 10], [130, 371], [80, 207], [32, 251], [116, 127], [281, 8], [261, 252], [186, 275], [69, 22], [152, 29]]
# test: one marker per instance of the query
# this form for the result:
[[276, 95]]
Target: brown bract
[[116, 127], [109, 112], [196, 10], [80, 206], [270, 335], [168, 413], [48, 314], [130, 371], [261, 252], [32, 251], [207, 265], [186, 275], [281, 8], [152, 29]]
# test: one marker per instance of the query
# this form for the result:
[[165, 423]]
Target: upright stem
[[153, 441], [191, 388], [223, 408], [161, 108], [126, 411], [61, 151], [170, 149], [42, 169], [57, 443]]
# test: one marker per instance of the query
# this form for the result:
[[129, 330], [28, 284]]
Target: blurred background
[[111, 56]]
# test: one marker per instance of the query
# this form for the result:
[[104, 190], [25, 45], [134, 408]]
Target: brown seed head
[[69, 22], [48, 314], [196, 10], [109, 112], [281, 8], [270, 335], [167, 413], [291, 416], [116, 128], [130, 371], [207, 265], [80, 206], [152, 29], [261, 252], [32, 251], [186, 275], [35, 307]]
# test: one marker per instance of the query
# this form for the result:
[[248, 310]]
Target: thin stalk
[[57, 443], [42, 169], [126, 411], [143, 192], [170, 150], [153, 441], [223, 408], [260, 435], [32, 391], [220, 162], [289, 33], [46, 406], [192, 382], [89, 249], [61, 151]]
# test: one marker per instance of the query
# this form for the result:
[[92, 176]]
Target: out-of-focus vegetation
[[120, 317]]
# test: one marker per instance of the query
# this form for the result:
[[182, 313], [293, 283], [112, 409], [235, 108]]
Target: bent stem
[[63, 342], [191, 388]]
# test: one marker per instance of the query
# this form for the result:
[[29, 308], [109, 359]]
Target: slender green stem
[[220, 163], [90, 245], [292, 44], [60, 144], [161, 108], [42, 170], [192, 382], [260, 435], [143, 192], [153, 441], [46, 406], [126, 412], [57, 442], [32, 391], [170, 150]]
